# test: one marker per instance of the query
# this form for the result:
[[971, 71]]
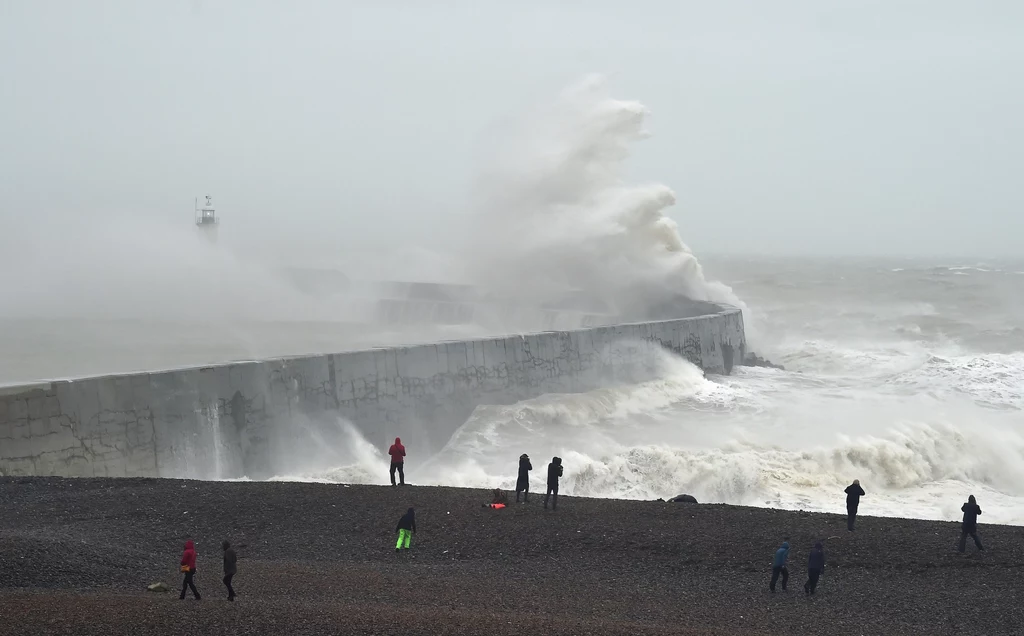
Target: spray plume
[[554, 212]]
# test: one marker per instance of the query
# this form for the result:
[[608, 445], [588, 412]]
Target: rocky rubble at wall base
[[754, 360]]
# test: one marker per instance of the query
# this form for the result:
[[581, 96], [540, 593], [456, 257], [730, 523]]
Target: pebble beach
[[77, 555]]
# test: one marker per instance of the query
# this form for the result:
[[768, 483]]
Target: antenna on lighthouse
[[206, 218]]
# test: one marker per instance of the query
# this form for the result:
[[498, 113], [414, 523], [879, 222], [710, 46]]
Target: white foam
[[767, 438], [994, 379], [916, 470]]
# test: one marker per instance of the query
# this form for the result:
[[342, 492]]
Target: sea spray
[[553, 211], [332, 451]]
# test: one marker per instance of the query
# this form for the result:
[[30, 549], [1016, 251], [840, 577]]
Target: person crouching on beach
[[188, 567], [406, 528], [523, 482], [815, 567], [499, 499], [779, 566], [554, 472]]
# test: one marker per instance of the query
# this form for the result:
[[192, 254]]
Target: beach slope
[[76, 556]]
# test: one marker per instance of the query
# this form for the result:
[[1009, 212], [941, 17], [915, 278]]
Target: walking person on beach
[[523, 482], [853, 494], [779, 566], [397, 452], [406, 528], [188, 567], [815, 568], [554, 472], [230, 568], [971, 510]]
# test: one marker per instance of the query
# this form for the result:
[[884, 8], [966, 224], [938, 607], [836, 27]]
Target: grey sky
[[783, 127]]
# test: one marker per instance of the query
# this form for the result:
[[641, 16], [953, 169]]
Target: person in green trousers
[[406, 528]]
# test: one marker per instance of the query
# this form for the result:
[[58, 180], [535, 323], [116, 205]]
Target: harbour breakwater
[[255, 419]]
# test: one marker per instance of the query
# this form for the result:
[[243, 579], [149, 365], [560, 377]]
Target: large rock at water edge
[[684, 499]]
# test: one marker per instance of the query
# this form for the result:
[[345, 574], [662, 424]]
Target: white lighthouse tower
[[206, 219]]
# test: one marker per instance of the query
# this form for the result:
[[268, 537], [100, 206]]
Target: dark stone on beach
[[684, 499], [754, 360], [320, 559]]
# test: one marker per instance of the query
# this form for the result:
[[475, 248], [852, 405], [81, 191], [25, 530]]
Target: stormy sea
[[906, 375]]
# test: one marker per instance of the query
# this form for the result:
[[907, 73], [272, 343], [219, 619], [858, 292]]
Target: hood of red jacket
[[398, 441], [190, 545]]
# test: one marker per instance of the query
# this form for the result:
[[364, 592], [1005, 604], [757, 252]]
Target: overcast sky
[[787, 128]]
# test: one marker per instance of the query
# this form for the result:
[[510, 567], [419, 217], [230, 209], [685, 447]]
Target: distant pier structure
[[206, 218]]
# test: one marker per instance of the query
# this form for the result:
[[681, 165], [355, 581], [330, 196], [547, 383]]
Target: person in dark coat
[[779, 567], [188, 567], [523, 482], [971, 510], [815, 567], [397, 452], [853, 494], [405, 529], [230, 568], [554, 473]]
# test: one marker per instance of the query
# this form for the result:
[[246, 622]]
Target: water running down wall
[[252, 418]]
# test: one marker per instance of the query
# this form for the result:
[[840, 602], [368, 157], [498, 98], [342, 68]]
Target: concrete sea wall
[[259, 419]]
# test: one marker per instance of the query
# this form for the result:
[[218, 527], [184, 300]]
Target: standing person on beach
[[971, 510], [779, 566], [230, 568], [188, 567], [554, 472], [523, 482], [406, 528], [815, 567], [397, 452], [853, 494]]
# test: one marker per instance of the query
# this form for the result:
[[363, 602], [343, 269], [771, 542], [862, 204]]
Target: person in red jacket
[[397, 452], [188, 566]]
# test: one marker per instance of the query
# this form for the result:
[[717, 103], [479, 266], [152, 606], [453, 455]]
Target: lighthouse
[[206, 219]]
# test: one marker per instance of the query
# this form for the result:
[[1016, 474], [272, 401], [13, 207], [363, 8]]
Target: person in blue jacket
[[779, 566], [815, 566]]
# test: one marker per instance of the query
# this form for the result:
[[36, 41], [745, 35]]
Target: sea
[[907, 374]]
